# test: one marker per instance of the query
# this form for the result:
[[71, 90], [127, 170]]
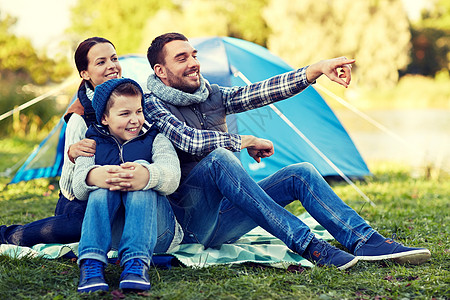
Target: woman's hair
[[81, 54], [155, 53]]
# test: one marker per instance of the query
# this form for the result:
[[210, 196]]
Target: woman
[[96, 61]]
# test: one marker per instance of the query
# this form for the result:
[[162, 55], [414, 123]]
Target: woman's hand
[[85, 147]]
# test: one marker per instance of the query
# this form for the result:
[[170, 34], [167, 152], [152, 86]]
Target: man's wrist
[[247, 141], [313, 72]]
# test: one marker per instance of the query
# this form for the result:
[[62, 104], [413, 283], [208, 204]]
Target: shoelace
[[134, 266], [322, 246], [93, 269], [393, 237]]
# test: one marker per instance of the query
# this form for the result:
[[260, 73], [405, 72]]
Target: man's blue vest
[[208, 115]]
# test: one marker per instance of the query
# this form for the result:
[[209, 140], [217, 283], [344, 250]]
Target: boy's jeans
[[132, 218], [219, 202]]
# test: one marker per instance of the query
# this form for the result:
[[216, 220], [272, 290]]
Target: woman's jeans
[[130, 218], [63, 228], [219, 202]]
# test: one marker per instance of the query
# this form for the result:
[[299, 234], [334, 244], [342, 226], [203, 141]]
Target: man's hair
[[123, 89], [155, 53]]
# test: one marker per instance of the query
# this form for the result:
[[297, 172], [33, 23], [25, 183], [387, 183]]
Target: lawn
[[415, 209]]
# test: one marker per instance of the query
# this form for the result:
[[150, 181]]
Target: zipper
[[201, 117], [117, 142]]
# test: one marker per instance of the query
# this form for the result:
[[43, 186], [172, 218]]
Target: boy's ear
[[104, 121], [160, 71]]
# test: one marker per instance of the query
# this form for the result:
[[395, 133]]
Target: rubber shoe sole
[[93, 288], [414, 257], [134, 285], [349, 264]]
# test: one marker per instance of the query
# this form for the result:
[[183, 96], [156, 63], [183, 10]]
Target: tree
[[17, 54], [120, 21], [375, 33], [20, 67], [431, 41], [197, 18]]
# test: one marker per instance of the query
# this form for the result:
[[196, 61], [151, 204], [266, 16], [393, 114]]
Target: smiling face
[[181, 69], [103, 64], [125, 117]]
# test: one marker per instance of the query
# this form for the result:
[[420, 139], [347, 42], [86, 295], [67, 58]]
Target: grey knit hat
[[104, 91]]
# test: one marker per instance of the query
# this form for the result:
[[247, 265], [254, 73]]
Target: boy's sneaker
[[378, 247], [92, 276], [135, 276], [324, 254]]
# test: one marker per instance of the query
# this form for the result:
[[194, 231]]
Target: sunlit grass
[[416, 209]]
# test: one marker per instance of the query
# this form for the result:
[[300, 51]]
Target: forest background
[[401, 63]]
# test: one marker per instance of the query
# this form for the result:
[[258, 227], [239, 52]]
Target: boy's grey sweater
[[164, 171], [75, 131]]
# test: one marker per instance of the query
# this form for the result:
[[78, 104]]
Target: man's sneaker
[[92, 276], [135, 276], [322, 253], [378, 247]]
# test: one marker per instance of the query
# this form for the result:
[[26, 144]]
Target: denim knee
[[98, 196], [303, 169], [224, 156], [222, 153]]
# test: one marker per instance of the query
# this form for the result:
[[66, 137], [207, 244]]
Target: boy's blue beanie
[[104, 91]]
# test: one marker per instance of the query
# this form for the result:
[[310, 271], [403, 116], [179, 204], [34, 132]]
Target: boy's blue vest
[[110, 152]]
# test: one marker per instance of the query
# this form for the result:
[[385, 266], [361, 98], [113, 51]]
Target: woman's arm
[[75, 131], [83, 166]]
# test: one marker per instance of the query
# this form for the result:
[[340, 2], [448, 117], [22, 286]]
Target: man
[[217, 201]]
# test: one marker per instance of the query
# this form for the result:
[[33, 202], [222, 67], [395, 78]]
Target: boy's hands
[[128, 176]]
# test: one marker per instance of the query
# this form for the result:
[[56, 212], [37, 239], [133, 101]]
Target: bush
[[29, 121]]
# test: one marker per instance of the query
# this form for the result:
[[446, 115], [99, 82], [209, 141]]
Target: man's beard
[[180, 84]]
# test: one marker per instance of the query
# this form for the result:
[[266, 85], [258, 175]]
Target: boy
[[128, 217]]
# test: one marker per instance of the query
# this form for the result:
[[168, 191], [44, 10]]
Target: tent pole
[[237, 73], [36, 100], [361, 114]]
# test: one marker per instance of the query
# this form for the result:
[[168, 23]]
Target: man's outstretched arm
[[280, 87]]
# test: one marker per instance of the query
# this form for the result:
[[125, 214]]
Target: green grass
[[415, 209]]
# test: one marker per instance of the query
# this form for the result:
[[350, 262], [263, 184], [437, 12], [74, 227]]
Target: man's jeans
[[128, 217], [219, 202], [63, 228]]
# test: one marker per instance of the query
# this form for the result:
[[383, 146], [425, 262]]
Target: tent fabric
[[220, 59]]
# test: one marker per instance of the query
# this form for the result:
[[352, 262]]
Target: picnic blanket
[[257, 246]]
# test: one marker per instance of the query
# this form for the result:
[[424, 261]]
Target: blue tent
[[222, 59]]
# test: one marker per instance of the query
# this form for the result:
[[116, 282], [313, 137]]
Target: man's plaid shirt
[[235, 100]]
